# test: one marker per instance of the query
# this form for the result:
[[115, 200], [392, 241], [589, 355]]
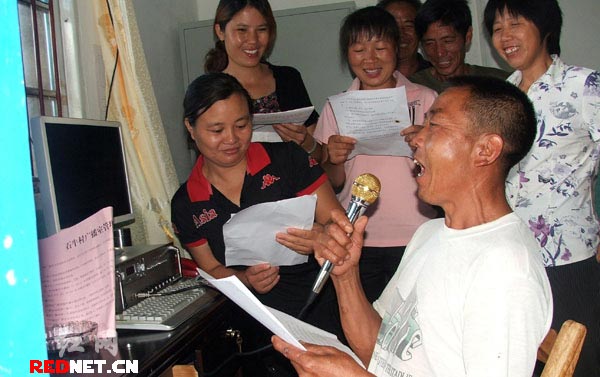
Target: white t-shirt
[[471, 302]]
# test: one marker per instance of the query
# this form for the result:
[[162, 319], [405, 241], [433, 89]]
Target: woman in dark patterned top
[[245, 33]]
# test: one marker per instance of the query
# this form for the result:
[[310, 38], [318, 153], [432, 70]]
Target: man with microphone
[[470, 297]]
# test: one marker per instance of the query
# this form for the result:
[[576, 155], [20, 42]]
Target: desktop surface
[[156, 351]]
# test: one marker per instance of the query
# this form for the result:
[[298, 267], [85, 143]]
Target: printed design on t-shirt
[[268, 180], [204, 217], [311, 161], [400, 332]]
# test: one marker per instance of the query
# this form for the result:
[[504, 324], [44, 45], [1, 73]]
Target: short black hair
[[545, 15], [367, 22], [416, 4], [455, 13], [207, 89], [497, 106]]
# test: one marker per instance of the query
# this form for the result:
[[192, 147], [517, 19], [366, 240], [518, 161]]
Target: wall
[[158, 21]]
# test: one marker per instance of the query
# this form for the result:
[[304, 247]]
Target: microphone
[[365, 190]]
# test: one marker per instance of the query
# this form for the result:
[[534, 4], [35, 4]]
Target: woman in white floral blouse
[[551, 188]]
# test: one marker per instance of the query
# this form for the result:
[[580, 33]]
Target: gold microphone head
[[366, 187]]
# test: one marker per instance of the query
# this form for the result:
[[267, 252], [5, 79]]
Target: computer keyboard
[[166, 312]]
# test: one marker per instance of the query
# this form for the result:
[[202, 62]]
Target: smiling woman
[[368, 44], [232, 174], [245, 34], [551, 187]]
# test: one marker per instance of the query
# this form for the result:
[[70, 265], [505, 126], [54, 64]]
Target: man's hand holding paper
[[375, 118]]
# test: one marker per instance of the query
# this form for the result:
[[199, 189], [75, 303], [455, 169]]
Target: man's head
[[405, 12], [444, 28], [477, 129]]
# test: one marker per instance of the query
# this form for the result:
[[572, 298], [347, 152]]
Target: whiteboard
[[307, 39]]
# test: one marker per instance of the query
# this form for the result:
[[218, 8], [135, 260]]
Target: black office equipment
[[150, 291], [81, 167]]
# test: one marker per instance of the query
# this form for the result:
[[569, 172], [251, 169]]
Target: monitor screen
[[81, 168]]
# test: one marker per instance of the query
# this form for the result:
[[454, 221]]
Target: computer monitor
[[81, 167]]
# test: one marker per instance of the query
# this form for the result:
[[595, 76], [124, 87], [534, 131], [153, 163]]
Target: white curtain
[[152, 178]]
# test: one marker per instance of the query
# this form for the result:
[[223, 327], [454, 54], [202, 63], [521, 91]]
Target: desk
[[156, 351]]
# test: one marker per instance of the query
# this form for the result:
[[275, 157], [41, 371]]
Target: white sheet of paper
[[311, 334], [266, 134], [78, 274], [288, 328], [296, 116], [374, 118], [237, 292], [250, 234]]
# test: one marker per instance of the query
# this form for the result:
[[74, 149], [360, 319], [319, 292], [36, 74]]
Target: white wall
[[580, 33], [158, 21], [208, 7]]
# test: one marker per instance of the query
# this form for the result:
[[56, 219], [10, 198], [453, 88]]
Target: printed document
[[263, 122], [374, 118], [288, 328], [78, 274], [250, 234]]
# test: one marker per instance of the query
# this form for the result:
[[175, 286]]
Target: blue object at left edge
[[21, 317]]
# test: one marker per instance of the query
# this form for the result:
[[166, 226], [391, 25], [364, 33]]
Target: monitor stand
[[122, 237]]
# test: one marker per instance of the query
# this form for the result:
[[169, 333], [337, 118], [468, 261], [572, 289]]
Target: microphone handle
[[356, 207]]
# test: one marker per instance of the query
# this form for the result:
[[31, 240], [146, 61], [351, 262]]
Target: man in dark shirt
[[445, 30]]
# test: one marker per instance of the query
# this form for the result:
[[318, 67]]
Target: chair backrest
[[564, 353], [183, 371]]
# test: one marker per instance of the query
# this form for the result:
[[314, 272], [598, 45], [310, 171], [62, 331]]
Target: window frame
[[55, 71]]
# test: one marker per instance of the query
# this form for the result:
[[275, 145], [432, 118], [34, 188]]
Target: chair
[[184, 371], [561, 351]]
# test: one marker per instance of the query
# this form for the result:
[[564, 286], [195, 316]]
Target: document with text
[[262, 123], [374, 118], [290, 329], [296, 116], [78, 274]]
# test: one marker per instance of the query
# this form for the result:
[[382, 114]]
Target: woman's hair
[[216, 59], [545, 15], [369, 22], [207, 89]]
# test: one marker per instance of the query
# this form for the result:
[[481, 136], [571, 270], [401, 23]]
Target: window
[[41, 58]]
